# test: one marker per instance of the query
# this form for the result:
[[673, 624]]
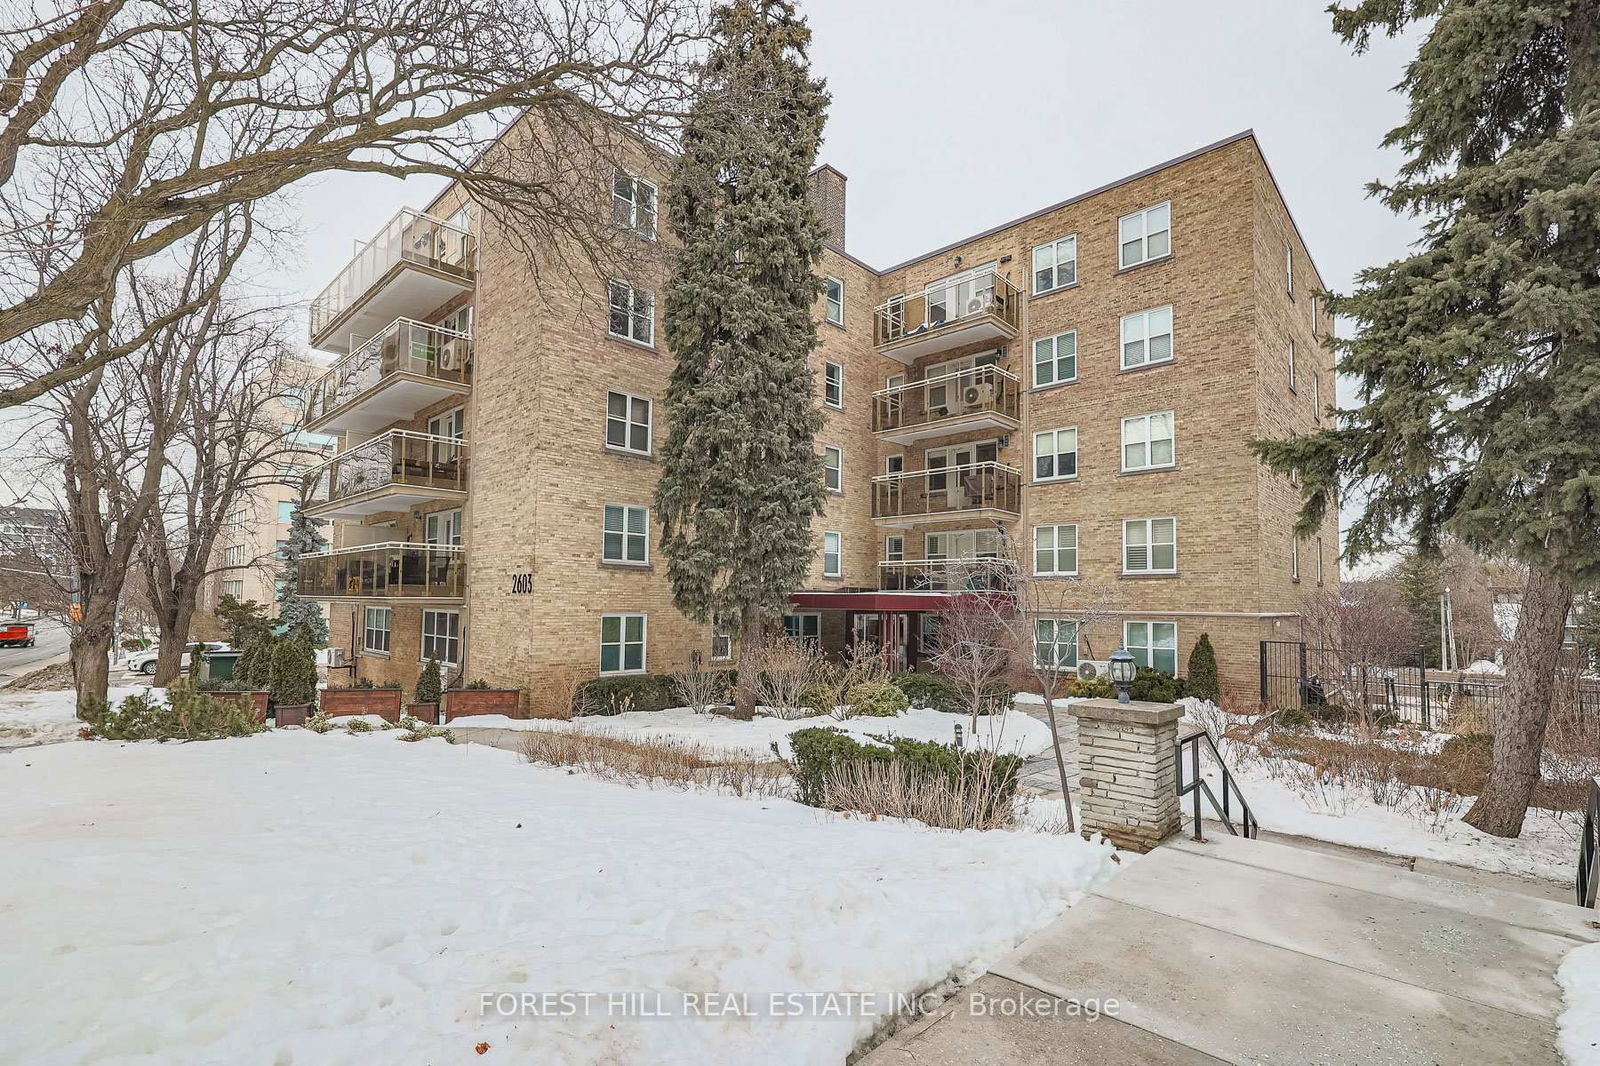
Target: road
[[50, 644]]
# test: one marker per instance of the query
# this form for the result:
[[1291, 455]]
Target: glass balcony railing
[[941, 575], [386, 570], [403, 347], [965, 489], [968, 398], [963, 301], [410, 237], [395, 459]]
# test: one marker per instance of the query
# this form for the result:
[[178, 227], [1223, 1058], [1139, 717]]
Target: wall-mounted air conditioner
[[1093, 669]]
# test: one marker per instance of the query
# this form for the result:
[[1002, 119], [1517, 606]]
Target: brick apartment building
[[1085, 378]]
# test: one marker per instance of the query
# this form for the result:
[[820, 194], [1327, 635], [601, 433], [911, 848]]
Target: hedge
[[817, 751], [636, 692], [930, 690]]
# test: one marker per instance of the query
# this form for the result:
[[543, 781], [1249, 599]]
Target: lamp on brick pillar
[[1121, 669]]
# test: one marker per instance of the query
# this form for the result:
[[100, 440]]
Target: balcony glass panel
[[410, 237], [403, 347], [967, 487], [385, 570], [961, 300], [396, 458], [947, 397]]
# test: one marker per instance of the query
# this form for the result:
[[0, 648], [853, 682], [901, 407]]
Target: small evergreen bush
[[429, 686], [294, 670], [877, 699], [1202, 677], [418, 730], [319, 723], [253, 668], [185, 715], [930, 690], [1098, 689], [637, 692], [358, 725], [818, 752], [1153, 686]]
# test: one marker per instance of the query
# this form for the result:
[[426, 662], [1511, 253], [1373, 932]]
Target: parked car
[[144, 662], [16, 634]]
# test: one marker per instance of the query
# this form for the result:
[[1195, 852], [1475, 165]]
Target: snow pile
[[290, 897], [1483, 666], [1579, 977], [29, 718]]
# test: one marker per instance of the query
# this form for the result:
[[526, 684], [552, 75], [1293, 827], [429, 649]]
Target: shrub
[[1153, 686], [1098, 689], [253, 668], [697, 688], [930, 690], [319, 723], [185, 715], [1203, 670], [1292, 717], [294, 670], [821, 754], [637, 692], [429, 684], [358, 725], [478, 685], [877, 699], [785, 668], [419, 730]]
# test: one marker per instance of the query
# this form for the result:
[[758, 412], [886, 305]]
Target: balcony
[[415, 572], [941, 575], [948, 315], [394, 471], [412, 266], [391, 376], [986, 490], [984, 397]]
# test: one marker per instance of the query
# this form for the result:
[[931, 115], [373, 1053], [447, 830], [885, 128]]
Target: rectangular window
[[1316, 305], [628, 422], [833, 385], [802, 626], [236, 519], [1288, 268], [894, 549], [894, 464], [1147, 338], [1055, 643], [1291, 365], [835, 297], [1055, 454], [1152, 644], [832, 469], [1145, 235], [1150, 546], [442, 527], [1055, 265], [1055, 359], [441, 637], [1316, 396], [633, 204], [633, 312], [721, 646], [285, 511], [234, 589], [1294, 559], [627, 534], [622, 639], [1320, 571], [1147, 442], [233, 555], [832, 554], [375, 631], [1055, 550]]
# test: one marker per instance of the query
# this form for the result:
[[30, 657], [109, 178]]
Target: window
[[633, 204], [1055, 265], [285, 512], [1294, 558], [375, 633], [1055, 550], [1150, 546], [628, 422], [627, 534], [1152, 644], [441, 636], [234, 589], [1055, 643], [294, 397], [1291, 365], [802, 626], [894, 549], [721, 646], [833, 385], [832, 554], [1055, 454], [1145, 235], [451, 425], [1316, 396], [236, 518], [1288, 268], [894, 464], [233, 555], [1055, 359], [1147, 338], [1147, 441], [832, 469], [622, 643], [1316, 305], [633, 312], [835, 297], [1320, 571], [442, 527]]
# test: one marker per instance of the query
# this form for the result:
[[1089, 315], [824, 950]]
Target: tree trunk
[[90, 654], [174, 638], [1061, 763], [751, 641], [1524, 711]]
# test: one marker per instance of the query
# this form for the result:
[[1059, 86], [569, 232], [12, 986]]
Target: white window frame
[[1055, 454], [721, 639], [448, 520], [1292, 368], [631, 222], [1288, 268], [1149, 647], [628, 423], [1316, 395], [631, 297], [1136, 328], [1055, 549], [451, 639], [1056, 644], [837, 568], [833, 380], [1321, 563], [1054, 249], [804, 620], [894, 548], [233, 588], [629, 537], [622, 643], [1136, 431], [1055, 358], [835, 471], [1149, 545], [833, 307], [894, 463], [1143, 237], [384, 617], [1294, 559], [233, 555]]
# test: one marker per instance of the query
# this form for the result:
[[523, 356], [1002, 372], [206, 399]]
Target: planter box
[[256, 701], [424, 712], [384, 702], [292, 714], [464, 702]]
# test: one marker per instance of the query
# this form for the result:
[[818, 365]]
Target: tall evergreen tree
[[294, 612], [1478, 356], [742, 479]]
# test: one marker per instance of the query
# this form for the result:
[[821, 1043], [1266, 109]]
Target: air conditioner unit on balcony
[[1093, 669], [978, 395], [449, 355]]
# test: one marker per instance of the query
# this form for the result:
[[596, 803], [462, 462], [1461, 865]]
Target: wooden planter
[[292, 714], [255, 701], [424, 712], [384, 702], [465, 702]]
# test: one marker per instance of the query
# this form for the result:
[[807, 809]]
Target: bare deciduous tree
[[973, 649]]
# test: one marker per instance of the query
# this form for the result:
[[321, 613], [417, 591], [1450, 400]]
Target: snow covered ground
[[1013, 732], [1579, 977], [290, 898], [28, 718]]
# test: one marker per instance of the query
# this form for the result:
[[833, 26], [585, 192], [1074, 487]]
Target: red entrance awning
[[875, 601]]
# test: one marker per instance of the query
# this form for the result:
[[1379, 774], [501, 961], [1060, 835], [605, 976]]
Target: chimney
[[827, 196]]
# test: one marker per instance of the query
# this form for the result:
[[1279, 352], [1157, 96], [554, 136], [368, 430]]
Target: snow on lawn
[[28, 718], [1012, 732], [295, 898], [1579, 977]]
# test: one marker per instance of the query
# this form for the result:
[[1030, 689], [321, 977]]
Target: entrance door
[[963, 487]]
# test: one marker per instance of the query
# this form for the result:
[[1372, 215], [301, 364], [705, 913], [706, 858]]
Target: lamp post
[[1121, 668]]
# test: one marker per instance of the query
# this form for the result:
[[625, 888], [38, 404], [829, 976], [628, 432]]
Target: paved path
[[1246, 951]]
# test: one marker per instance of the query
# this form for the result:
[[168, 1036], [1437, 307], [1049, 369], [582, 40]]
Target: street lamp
[[1121, 668]]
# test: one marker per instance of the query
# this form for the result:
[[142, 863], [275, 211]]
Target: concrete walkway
[[1246, 951]]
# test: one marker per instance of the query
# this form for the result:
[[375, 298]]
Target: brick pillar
[[1128, 787]]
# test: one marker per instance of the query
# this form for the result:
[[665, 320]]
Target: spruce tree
[[1477, 358], [1202, 674], [293, 611], [742, 479]]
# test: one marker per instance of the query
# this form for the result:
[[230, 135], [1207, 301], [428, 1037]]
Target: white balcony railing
[[409, 237]]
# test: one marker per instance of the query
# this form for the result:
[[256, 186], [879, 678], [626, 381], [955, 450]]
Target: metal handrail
[[989, 464], [383, 544], [952, 375], [1589, 849], [1247, 827]]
